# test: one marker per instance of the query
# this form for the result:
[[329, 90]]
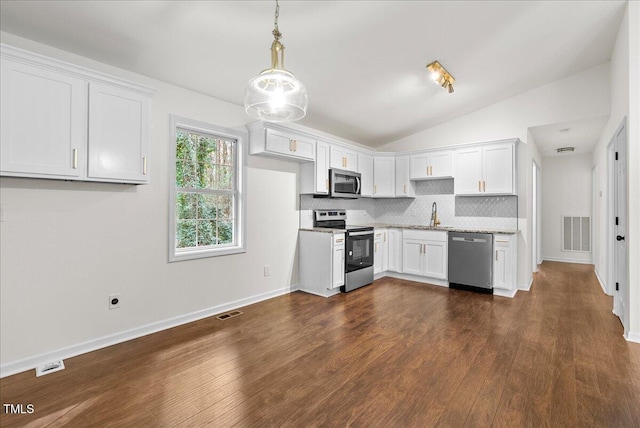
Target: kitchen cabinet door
[[384, 176], [365, 168], [435, 254], [419, 166], [441, 164], [291, 145], [43, 121], [395, 250], [344, 158], [412, 256], [118, 134], [404, 187], [504, 263], [498, 169], [380, 251], [322, 168], [468, 171], [338, 262]]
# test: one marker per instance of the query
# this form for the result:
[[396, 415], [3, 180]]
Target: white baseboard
[[29, 363], [604, 289], [504, 293], [632, 336], [526, 287], [566, 260]]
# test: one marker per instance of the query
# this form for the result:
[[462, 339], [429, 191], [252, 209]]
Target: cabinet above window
[[60, 121]]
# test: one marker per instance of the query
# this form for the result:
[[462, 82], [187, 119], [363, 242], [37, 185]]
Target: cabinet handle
[[479, 186], [75, 158], [339, 240], [290, 145], [144, 165], [496, 255], [430, 170], [502, 242], [295, 145], [484, 186]]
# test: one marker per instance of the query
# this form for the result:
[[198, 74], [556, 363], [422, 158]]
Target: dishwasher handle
[[458, 239]]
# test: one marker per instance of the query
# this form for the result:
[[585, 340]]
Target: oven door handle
[[361, 233]]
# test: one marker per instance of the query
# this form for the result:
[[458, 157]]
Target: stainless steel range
[[359, 247]]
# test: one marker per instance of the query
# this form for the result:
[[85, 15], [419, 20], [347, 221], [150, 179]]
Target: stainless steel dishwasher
[[471, 261]]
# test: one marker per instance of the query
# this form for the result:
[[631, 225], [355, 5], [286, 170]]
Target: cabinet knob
[[75, 158], [144, 165]]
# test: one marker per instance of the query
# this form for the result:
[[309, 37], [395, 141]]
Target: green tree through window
[[205, 190]]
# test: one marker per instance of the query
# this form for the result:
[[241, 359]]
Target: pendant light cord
[[276, 31]]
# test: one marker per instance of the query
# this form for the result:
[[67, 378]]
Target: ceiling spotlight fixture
[[275, 95], [441, 76], [565, 149]]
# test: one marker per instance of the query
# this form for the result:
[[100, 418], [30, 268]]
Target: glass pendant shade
[[275, 95]]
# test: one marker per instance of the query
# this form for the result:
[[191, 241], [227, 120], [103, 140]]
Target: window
[[206, 212]]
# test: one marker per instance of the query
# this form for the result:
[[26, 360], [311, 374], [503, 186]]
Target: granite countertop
[[440, 228], [414, 227]]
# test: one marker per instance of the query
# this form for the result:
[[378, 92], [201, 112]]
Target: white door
[[322, 167], [468, 171], [365, 168], [412, 256], [43, 122], [498, 169], [118, 134], [435, 259], [441, 164], [621, 296], [384, 176]]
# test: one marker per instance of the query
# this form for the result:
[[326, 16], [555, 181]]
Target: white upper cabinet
[[344, 158], [314, 176], [276, 141], [365, 168], [431, 165], [118, 137], [485, 170], [44, 115], [60, 121], [404, 187], [384, 176]]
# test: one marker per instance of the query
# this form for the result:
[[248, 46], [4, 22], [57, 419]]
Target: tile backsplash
[[493, 212]]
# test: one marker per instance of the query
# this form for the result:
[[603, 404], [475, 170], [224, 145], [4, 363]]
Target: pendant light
[[275, 95]]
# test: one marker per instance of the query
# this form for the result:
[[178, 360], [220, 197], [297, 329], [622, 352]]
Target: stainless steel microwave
[[344, 184]]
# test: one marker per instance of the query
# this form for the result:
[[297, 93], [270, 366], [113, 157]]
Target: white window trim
[[241, 138]]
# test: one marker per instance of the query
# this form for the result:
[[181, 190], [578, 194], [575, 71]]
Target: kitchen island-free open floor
[[395, 353]]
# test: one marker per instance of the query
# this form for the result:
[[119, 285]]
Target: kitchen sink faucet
[[434, 216]]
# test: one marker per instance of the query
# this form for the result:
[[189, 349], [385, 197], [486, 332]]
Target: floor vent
[[54, 366], [228, 315]]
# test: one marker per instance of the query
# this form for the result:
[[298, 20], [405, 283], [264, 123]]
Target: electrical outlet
[[114, 301], [267, 270]]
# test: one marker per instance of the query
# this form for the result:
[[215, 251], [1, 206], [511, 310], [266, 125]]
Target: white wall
[[566, 191], [580, 96], [625, 102], [66, 245]]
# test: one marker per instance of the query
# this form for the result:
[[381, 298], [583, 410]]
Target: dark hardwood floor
[[394, 354]]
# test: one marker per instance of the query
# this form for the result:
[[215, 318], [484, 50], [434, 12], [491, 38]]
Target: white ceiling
[[583, 135], [363, 62]]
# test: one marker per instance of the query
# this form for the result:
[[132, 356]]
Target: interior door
[[620, 211]]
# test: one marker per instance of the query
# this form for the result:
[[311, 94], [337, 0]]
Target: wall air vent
[[576, 234], [228, 315]]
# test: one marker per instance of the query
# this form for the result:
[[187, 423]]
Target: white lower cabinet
[[322, 262], [504, 263], [395, 250], [424, 253], [380, 251]]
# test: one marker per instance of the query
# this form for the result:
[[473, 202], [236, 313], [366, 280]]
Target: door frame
[[536, 200], [612, 261]]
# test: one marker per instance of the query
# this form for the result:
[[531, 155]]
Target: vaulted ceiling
[[363, 62]]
